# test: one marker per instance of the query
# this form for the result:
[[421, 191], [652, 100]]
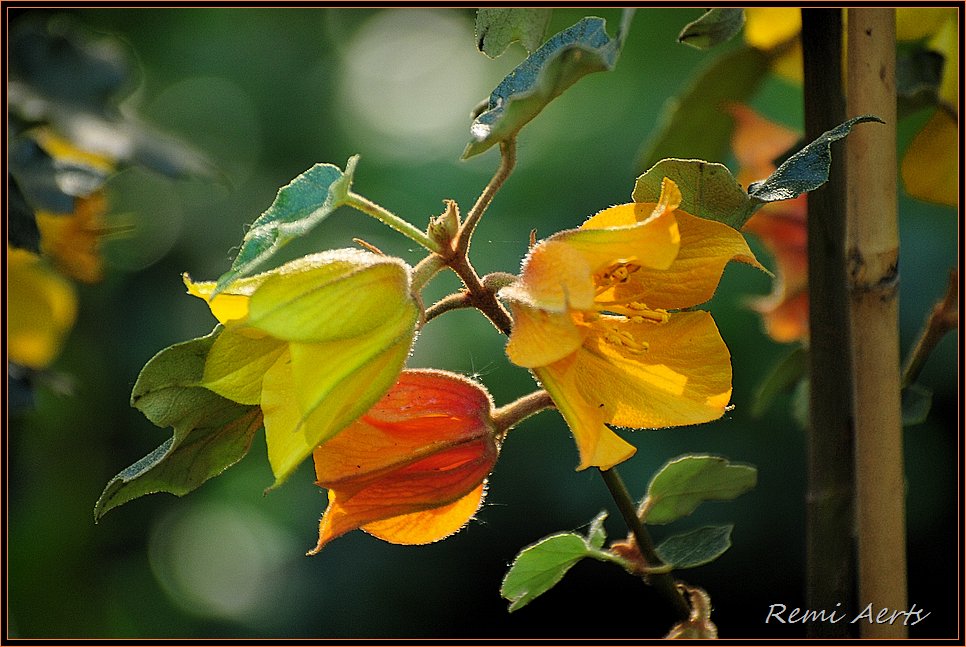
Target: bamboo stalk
[[873, 250], [829, 549]]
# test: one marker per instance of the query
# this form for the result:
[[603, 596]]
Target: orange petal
[[429, 525], [427, 445]]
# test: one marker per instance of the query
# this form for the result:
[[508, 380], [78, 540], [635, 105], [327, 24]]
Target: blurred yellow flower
[[41, 309]]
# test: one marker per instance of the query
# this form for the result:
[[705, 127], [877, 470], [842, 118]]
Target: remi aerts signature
[[781, 614]]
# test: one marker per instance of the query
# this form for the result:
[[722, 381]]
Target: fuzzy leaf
[[783, 378], [695, 548], [497, 28], [716, 26], [540, 566], [210, 433], [710, 191], [561, 61], [693, 124], [299, 206], [683, 483], [807, 169]]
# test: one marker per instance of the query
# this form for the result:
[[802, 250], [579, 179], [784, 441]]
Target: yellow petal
[[597, 444], [318, 389], [930, 166], [237, 362], [229, 305], [540, 337], [706, 248], [41, 308], [768, 27], [332, 295], [645, 233], [946, 41], [683, 378], [915, 23], [555, 277]]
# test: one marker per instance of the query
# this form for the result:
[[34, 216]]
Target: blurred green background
[[267, 93]]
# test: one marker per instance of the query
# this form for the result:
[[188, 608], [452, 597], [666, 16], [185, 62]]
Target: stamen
[[619, 272], [625, 340]]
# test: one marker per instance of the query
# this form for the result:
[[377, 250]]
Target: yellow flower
[[42, 308], [593, 320], [315, 343]]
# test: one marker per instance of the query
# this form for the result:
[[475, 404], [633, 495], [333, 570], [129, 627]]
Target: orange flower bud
[[412, 469]]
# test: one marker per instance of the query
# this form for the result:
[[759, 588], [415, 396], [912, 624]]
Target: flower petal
[[706, 248], [930, 165], [337, 294], [329, 385], [539, 337], [229, 305], [643, 232], [683, 378], [429, 525], [412, 469], [597, 444], [42, 308], [555, 277], [237, 362]]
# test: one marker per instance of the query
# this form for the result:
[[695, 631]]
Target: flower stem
[[512, 414], [943, 318], [387, 217], [508, 159], [662, 582]]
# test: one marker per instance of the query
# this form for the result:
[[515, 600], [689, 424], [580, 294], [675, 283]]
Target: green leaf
[[539, 567], [807, 169], [596, 534], [916, 402], [693, 124], [782, 378], [695, 548], [709, 190], [210, 433], [561, 61], [716, 26], [496, 28], [683, 483], [299, 206]]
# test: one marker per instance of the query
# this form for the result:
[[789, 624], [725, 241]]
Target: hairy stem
[[387, 217], [512, 414], [662, 582], [449, 302], [508, 159]]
